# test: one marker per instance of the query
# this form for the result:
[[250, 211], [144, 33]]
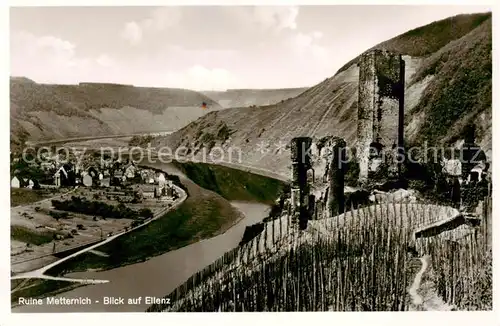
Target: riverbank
[[232, 184]]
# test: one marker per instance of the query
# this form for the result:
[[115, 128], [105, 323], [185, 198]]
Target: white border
[[35, 3], [378, 318]]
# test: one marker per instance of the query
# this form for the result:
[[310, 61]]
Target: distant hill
[[233, 98], [43, 111], [448, 84]]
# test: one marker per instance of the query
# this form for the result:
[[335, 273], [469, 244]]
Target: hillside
[[233, 98], [42, 111], [448, 83]]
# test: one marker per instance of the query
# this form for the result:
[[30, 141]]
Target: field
[[23, 196], [24, 234], [366, 260]]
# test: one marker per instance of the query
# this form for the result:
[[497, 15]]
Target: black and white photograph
[[250, 158]]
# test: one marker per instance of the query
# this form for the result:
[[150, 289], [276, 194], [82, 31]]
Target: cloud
[[105, 60], [264, 18], [306, 45], [201, 56], [163, 18], [276, 17], [159, 19], [132, 32], [317, 34], [49, 59], [199, 78], [52, 49]]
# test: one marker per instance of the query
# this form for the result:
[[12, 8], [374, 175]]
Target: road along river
[[154, 278]]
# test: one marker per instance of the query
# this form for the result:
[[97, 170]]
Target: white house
[[87, 180], [15, 183], [130, 170], [105, 182], [31, 184], [148, 191], [475, 174], [161, 182], [161, 178], [452, 167], [63, 170]]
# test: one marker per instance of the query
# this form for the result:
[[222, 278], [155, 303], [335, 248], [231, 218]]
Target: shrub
[[146, 213], [351, 173], [83, 206]]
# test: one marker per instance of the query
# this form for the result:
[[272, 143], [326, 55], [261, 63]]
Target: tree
[[146, 213]]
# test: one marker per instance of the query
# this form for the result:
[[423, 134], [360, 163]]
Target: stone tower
[[336, 178], [301, 163], [380, 107]]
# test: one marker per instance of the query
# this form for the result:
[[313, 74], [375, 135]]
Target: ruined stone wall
[[336, 178], [380, 104], [366, 107], [301, 164]]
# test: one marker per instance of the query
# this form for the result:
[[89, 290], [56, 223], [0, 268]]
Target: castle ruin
[[336, 178], [300, 196], [380, 130]]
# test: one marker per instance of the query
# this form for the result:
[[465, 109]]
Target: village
[[83, 202]]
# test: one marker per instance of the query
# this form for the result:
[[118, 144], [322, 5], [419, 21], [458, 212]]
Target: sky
[[204, 47]]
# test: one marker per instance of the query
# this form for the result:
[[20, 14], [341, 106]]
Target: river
[[156, 277]]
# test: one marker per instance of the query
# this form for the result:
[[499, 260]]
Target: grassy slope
[[247, 97], [457, 51], [204, 214], [425, 40], [232, 184], [73, 100], [461, 89]]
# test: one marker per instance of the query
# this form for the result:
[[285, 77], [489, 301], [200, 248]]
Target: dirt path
[[422, 292], [415, 297]]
